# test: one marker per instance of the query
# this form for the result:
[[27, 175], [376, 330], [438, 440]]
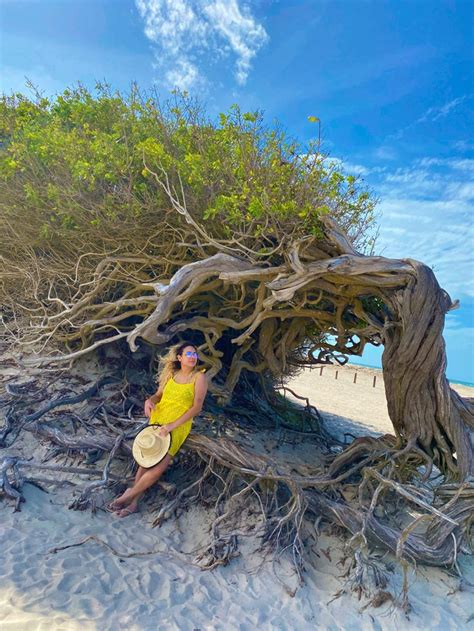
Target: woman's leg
[[133, 506], [115, 505], [143, 480]]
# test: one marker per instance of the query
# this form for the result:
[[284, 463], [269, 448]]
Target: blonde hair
[[170, 364]]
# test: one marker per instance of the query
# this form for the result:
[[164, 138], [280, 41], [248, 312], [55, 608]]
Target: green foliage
[[83, 161], [373, 305]]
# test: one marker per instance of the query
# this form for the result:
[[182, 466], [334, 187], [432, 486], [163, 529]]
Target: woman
[[180, 396]]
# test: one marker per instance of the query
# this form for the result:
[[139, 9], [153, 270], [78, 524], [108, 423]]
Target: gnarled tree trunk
[[424, 410]]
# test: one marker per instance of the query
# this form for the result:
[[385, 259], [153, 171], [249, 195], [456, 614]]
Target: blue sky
[[391, 81]]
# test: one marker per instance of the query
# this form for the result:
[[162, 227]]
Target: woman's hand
[[149, 405], [164, 431]]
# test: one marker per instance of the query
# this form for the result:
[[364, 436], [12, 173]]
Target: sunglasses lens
[[191, 354]]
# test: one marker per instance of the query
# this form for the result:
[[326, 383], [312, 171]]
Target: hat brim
[[147, 461]]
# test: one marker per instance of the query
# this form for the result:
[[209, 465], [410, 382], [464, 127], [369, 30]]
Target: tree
[[147, 223]]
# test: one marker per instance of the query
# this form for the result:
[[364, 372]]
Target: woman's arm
[[152, 401], [156, 398], [200, 389]]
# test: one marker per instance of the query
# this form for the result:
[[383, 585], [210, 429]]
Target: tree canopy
[[122, 191], [84, 163]]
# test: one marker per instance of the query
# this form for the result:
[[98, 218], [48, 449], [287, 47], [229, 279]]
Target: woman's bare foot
[[113, 506], [120, 502], [128, 510]]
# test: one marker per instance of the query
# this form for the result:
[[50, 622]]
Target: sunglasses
[[191, 354]]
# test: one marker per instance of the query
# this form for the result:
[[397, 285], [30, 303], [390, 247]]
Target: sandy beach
[[351, 396], [128, 575]]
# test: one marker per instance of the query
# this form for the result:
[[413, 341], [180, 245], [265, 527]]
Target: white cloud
[[460, 190], [187, 32], [463, 145], [465, 164], [455, 325], [185, 75], [439, 179], [385, 153], [349, 167], [433, 114], [241, 31], [395, 231], [355, 169], [415, 180]]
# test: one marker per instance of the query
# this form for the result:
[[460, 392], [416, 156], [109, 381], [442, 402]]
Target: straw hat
[[149, 448]]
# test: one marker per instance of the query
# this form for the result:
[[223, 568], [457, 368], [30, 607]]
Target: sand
[[89, 588], [357, 405]]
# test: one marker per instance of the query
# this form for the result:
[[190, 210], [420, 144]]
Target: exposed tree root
[[397, 509], [122, 555], [14, 425]]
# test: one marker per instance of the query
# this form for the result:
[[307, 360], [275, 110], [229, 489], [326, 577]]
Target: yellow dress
[[177, 398]]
